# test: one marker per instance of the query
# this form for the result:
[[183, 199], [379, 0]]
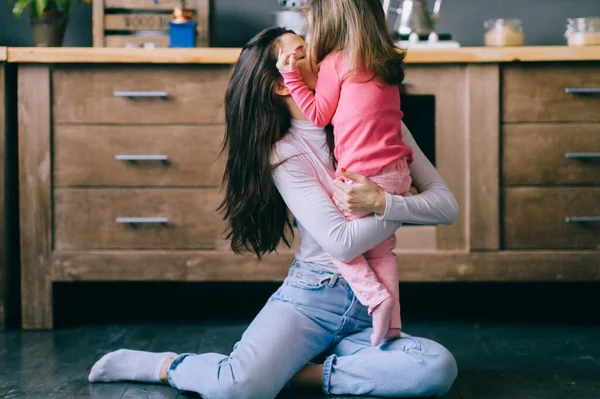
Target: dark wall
[[235, 21]]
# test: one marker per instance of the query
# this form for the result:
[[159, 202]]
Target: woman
[[312, 333]]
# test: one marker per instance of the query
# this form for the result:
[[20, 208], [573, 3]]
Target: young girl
[[357, 92]]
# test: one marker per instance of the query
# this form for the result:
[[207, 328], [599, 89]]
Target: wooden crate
[[118, 23]]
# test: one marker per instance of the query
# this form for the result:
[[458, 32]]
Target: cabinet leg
[[36, 302], [34, 109]]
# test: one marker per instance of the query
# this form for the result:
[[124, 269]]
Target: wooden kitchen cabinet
[[467, 150], [102, 141], [119, 168], [82, 127], [551, 157]]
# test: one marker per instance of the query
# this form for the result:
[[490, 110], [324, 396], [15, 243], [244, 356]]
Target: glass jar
[[503, 32], [583, 31]]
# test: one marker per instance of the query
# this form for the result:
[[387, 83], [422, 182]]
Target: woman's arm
[[318, 107], [312, 206], [434, 205]]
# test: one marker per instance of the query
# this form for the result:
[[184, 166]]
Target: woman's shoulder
[[285, 148], [295, 156]]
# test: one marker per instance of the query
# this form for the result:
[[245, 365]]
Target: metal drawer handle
[[582, 155], [141, 94], [582, 219], [582, 91], [130, 220], [134, 158]]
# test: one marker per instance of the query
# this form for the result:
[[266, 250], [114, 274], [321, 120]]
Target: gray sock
[[129, 365]]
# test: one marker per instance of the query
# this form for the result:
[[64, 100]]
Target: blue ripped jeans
[[314, 316]]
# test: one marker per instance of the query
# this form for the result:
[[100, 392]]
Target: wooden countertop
[[230, 55], [3, 53]]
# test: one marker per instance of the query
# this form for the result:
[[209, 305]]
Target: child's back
[[364, 111], [367, 122]]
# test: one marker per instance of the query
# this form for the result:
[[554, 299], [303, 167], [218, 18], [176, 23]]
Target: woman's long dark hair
[[256, 119]]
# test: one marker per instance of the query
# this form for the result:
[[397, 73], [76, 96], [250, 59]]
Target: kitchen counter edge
[[230, 55]]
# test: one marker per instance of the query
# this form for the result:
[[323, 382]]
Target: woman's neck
[[294, 110]]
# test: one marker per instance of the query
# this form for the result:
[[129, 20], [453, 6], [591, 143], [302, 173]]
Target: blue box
[[182, 34]]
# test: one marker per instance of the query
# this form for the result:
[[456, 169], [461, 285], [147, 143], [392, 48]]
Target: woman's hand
[[361, 196], [286, 61]]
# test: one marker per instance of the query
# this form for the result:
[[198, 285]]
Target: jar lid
[[583, 20], [502, 22], [586, 24]]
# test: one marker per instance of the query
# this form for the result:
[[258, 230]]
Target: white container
[[583, 31], [503, 32]]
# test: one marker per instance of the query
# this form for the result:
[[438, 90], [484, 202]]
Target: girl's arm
[[319, 106], [312, 206]]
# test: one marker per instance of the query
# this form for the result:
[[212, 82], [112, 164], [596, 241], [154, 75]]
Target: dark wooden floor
[[496, 361]]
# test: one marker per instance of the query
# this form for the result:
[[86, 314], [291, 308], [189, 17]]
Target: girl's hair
[[359, 28], [256, 119]]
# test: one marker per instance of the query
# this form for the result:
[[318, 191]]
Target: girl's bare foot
[[393, 333], [381, 321]]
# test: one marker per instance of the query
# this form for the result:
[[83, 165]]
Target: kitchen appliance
[[291, 16], [413, 25], [413, 16]]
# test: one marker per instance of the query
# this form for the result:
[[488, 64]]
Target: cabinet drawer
[[536, 92], [140, 94], [534, 218], [87, 219], [551, 154], [138, 156]]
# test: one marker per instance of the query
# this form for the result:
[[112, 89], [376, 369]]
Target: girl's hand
[[286, 61], [362, 196]]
